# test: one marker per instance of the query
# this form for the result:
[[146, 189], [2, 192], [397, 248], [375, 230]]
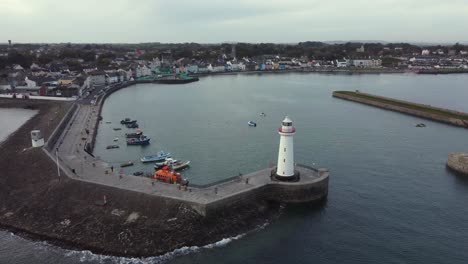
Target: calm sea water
[[12, 118], [391, 199]]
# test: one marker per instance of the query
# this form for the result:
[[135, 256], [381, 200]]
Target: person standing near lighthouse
[[285, 169]]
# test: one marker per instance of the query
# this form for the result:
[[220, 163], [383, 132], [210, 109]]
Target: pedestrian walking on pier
[[112, 168]]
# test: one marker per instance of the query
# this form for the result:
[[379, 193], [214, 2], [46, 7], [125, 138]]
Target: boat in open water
[[252, 123], [143, 140], [159, 157]]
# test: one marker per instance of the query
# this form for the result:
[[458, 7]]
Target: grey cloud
[[243, 20]]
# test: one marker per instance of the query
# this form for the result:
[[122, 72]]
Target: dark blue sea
[[391, 198]]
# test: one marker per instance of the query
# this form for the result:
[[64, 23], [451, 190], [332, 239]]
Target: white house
[[342, 63], [366, 63], [219, 68], [98, 77], [30, 83], [192, 68], [425, 52], [112, 77]]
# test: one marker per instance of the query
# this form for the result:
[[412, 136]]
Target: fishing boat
[[112, 147], [252, 123], [127, 121], [160, 156], [132, 125], [143, 140], [137, 134], [126, 164], [173, 164], [117, 128]]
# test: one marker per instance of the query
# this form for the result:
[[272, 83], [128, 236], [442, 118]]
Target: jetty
[[458, 162], [447, 116]]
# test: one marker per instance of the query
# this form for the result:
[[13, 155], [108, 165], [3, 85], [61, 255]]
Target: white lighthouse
[[285, 169]]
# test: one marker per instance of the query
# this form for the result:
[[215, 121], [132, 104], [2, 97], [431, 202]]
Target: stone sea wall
[[423, 111], [55, 136]]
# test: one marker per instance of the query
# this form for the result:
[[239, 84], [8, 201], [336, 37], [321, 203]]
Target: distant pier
[[442, 115]]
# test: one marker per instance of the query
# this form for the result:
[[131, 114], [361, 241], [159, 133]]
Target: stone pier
[[81, 126]]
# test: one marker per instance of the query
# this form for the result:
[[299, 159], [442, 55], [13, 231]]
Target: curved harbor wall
[[446, 116], [277, 191], [458, 162]]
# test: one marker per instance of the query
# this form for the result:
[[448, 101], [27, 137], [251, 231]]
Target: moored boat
[[112, 147], [127, 121], [173, 164], [126, 164], [137, 134], [117, 128], [160, 156], [167, 175], [143, 140], [132, 125]]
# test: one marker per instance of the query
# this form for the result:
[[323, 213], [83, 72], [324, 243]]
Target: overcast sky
[[213, 21]]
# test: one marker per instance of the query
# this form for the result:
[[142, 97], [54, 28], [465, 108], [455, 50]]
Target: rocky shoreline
[[35, 203]]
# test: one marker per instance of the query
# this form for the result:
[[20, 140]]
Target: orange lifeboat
[[167, 175]]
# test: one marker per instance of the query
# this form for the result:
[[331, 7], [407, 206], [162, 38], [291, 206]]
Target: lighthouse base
[[295, 178]]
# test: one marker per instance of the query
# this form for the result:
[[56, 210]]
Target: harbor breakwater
[[442, 115], [458, 162], [38, 204], [151, 219]]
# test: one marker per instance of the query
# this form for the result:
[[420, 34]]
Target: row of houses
[[361, 63]]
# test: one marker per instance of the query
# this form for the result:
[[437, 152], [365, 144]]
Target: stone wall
[[458, 162], [287, 192], [401, 109], [55, 136]]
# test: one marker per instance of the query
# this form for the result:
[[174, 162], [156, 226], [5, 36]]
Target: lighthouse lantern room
[[285, 165]]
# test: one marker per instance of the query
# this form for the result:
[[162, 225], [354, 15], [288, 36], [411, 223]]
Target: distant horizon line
[[418, 43]]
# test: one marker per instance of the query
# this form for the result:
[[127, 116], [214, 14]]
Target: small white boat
[[252, 123], [173, 164], [116, 139]]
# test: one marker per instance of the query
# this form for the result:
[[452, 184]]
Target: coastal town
[[75, 70]]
